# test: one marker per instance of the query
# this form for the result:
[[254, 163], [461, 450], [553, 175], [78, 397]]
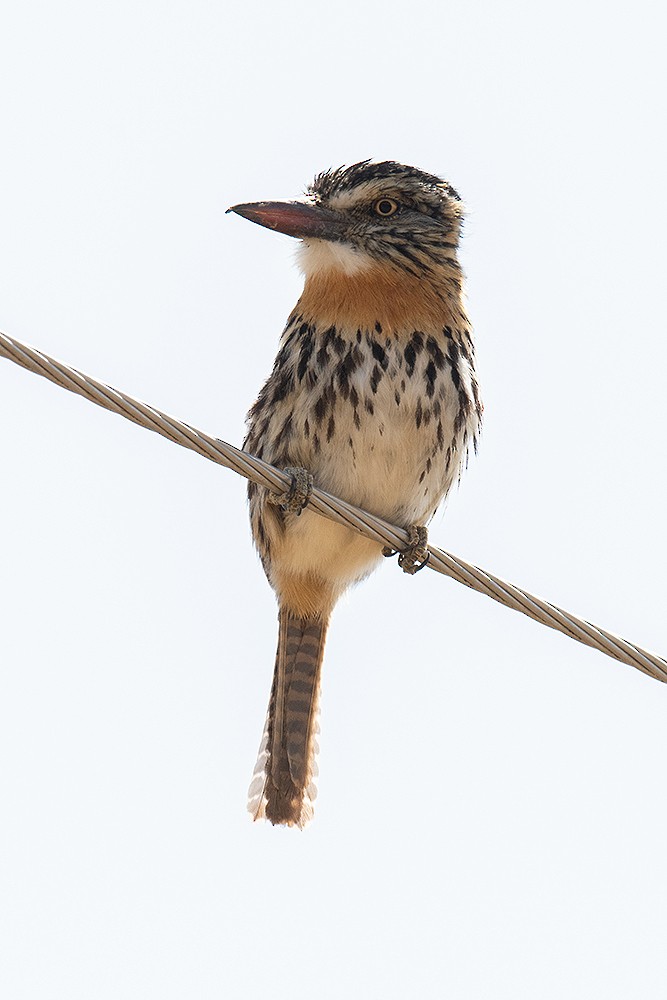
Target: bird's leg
[[416, 555], [297, 496]]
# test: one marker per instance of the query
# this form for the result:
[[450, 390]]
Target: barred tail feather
[[283, 788]]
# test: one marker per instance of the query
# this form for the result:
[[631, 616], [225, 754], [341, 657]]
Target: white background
[[491, 819]]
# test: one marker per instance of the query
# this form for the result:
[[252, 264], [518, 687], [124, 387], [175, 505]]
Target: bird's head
[[370, 216]]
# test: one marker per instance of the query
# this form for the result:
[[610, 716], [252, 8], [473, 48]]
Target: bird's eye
[[386, 207]]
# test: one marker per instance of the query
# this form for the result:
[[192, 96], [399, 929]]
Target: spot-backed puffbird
[[373, 397]]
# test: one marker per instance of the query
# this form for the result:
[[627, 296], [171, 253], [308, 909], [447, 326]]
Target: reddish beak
[[294, 218]]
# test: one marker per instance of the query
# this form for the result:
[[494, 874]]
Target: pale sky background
[[493, 804]]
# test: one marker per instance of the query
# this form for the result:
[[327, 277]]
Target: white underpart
[[384, 470], [316, 257]]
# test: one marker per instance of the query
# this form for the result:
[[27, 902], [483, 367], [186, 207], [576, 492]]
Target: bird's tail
[[283, 788]]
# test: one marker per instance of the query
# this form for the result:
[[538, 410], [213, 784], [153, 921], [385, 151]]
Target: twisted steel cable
[[332, 507]]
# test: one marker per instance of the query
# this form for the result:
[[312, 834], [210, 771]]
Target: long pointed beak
[[294, 218]]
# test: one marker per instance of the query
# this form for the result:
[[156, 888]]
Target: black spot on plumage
[[343, 380], [346, 367], [430, 375], [378, 326], [358, 336], [285, 432], [325, 403], [285, 353], [418, 413], [414, 347], [463, 412], [475, 394], [331, 426], [306, 427], [440, 436], [354, 397], [316, 444], [463, 349], [455, 376], [380, 355], [465, 402], [397, 397], [305, 351], [322, 357], [410, 358], [332, 340], [436, 353], [352, 359], [282, 387], [368, 406], [376, 378]]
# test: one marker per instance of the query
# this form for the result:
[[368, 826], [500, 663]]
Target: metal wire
[[332, 507]]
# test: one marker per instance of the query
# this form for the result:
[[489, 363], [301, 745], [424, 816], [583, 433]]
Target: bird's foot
[[416, 556], [297, 496]]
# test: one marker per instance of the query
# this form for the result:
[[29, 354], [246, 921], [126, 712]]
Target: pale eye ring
[[386, 207]]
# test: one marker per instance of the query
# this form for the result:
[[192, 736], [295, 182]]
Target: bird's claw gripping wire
[[297, 496], [416, 555]]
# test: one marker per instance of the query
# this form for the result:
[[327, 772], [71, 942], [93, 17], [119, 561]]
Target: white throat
[[321, 257]]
